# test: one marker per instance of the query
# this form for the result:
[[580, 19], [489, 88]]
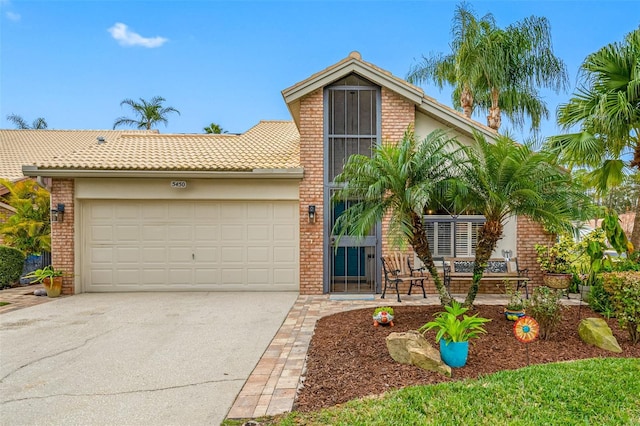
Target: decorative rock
[[596, 331], [40, 292], [412, 348]]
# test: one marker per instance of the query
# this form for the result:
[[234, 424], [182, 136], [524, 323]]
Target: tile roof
[[19, 147], [268, 145]]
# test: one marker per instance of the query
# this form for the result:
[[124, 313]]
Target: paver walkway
[[272, 386], [21, 297]]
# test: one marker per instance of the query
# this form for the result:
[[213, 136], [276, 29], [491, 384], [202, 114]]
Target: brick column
[[397, 114], [530, 233], [311, 193], [62, 233]]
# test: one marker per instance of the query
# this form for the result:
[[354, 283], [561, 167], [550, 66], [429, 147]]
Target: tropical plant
[[398, 180], [453, 329], [546, 308], [215, 129], [20, 123], [28, 229], [387, 309], [147, 113], [558, 258], [514, 296], [606, 108], [44, 274], [497, 70], [505, 179]]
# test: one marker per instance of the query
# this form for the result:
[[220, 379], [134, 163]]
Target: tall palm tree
[[148, 113], [505, 179], [214, 129], [38, 124], [399, 181], [497, 70], [606, 107]]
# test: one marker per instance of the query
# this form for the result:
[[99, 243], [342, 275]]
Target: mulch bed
[[348, 357]]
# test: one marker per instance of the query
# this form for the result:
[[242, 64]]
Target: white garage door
[[190, 245]]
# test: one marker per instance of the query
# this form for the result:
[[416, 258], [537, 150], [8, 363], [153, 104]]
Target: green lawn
[[588, 392]]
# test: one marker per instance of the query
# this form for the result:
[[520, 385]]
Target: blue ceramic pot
[[454, 354]]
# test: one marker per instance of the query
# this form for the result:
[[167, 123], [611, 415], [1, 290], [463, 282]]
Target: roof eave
[[297, 91], [452, 117], [290, 173]]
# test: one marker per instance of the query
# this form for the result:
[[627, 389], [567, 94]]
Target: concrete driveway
[[133, 358]]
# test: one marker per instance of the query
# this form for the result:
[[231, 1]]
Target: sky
[[73, 62]]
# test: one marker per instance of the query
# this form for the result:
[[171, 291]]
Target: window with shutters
[[453, 236]]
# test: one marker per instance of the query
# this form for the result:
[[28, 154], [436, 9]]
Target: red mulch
[[348, 357]]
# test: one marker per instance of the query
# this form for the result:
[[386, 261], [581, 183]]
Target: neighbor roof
[[19, 147], [270, 145]]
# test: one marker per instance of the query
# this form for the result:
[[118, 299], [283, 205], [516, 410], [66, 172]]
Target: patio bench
[[497, 270], [397, 269]]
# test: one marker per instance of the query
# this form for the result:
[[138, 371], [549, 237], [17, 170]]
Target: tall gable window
[[352, 121]]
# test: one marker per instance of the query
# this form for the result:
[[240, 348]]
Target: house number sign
[[179, 184]]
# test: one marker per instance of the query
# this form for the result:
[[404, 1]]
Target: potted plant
[[515, 305], [383, 315], [556, 262], [50, 279], [454, 333]]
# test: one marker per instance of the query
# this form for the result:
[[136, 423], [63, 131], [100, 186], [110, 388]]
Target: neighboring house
[[19, 147], [252, 212]]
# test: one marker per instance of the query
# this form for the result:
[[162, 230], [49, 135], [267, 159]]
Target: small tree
[[38, 124], [29, 229], [215, 129]]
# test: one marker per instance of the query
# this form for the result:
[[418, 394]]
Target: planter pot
[[557, 281], [53, 288], [514, 314], [383, 318], [454, 354]]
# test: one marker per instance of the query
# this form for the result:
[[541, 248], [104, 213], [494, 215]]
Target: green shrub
[[11, 263], [599, 299], [546, 308], [624, 289]]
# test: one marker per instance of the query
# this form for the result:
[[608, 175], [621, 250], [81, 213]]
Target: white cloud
[[13, 16], [125, 37]]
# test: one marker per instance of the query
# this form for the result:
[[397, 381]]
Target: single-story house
[[177, 212]]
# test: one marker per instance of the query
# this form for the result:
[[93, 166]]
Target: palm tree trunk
[[420, 245], [488, 236], [494, 118], [635, 233], [466, 101]]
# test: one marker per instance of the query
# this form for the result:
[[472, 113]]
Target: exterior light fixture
[[57, 214], [312, 214]]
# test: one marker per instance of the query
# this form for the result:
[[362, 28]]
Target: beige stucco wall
[[425, 125], [196, 189]]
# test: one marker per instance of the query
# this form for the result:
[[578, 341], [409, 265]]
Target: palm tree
[[147, 114], [497, 70], [505, 179], [215, 129], [606, 107], [38, 124], [399, 181]]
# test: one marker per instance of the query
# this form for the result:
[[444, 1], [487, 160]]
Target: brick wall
[[62, 235], [530, 233], [397, 114], [311, 193]]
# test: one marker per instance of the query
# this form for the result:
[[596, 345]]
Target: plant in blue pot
[[454, 333]]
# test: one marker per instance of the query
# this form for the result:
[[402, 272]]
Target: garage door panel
[[155, 245], [126, 255]]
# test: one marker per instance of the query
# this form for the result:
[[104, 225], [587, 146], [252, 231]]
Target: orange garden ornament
[[526, 330]]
